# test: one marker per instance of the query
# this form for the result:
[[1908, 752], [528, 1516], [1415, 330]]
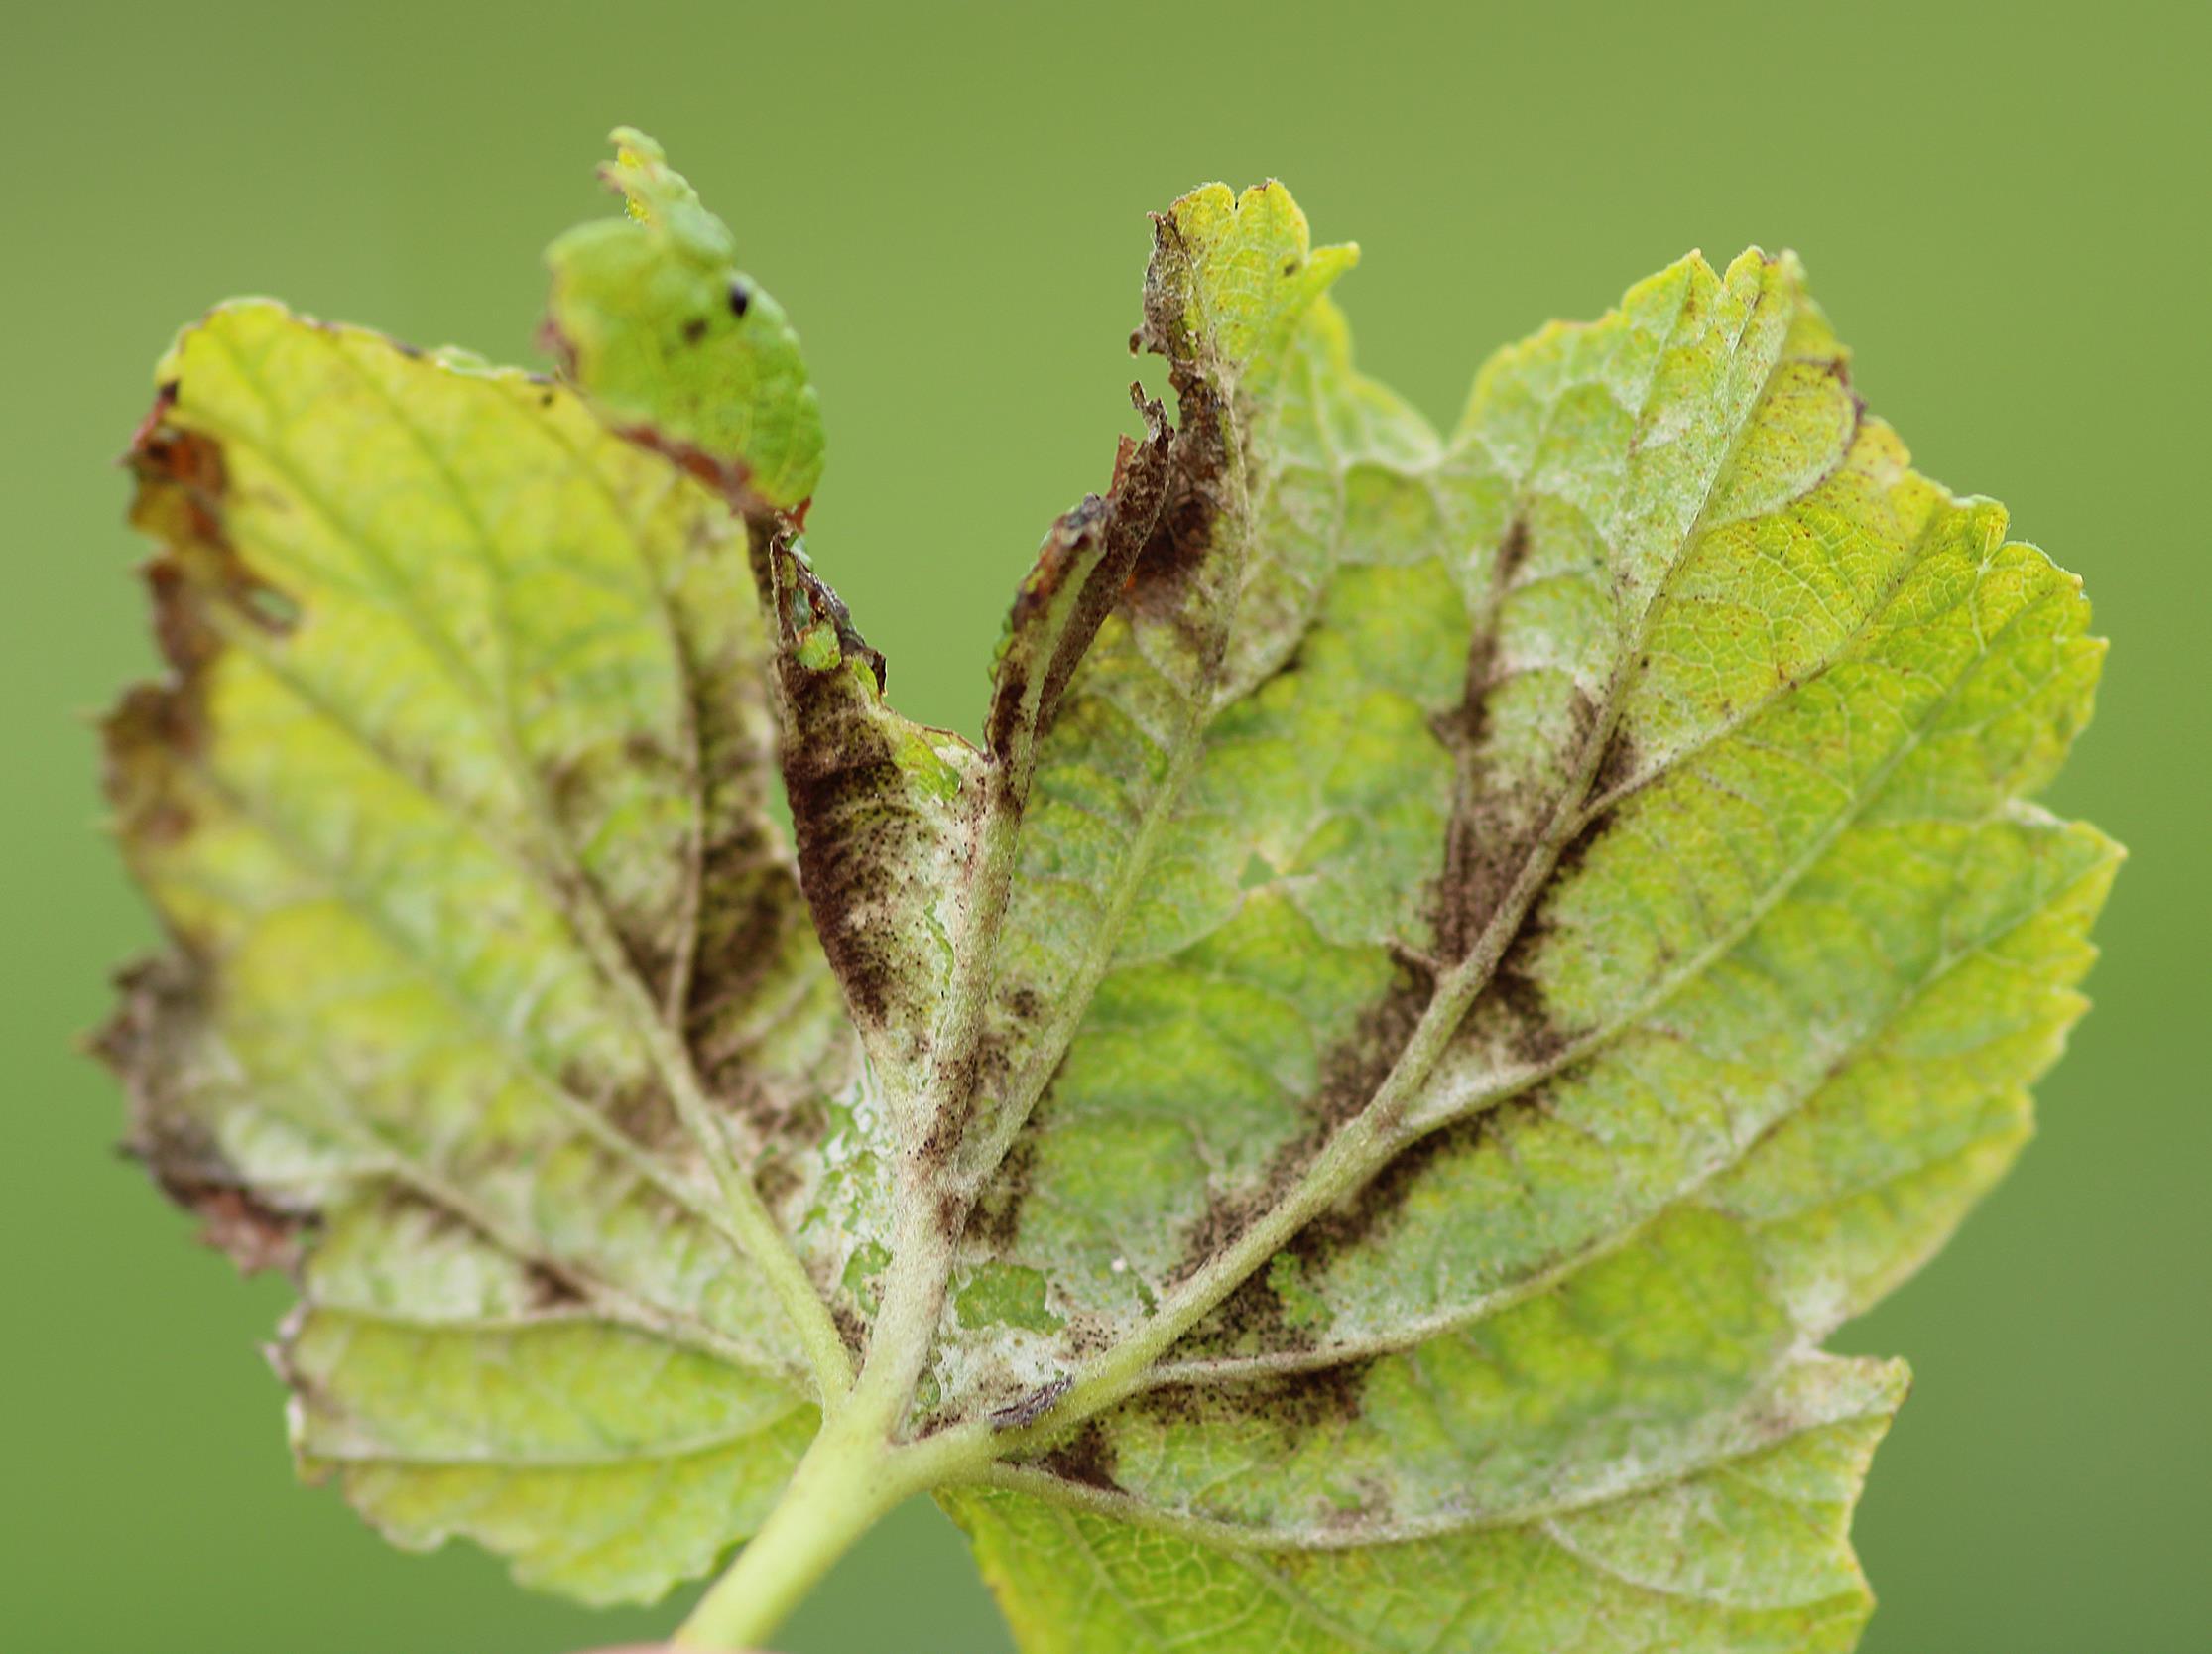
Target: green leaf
[[1645, 981], [1342, 1121], [1752, 1553], [682, 349], [455, 807], [456, 1392]]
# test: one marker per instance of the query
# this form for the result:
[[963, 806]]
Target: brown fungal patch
[[851, 876], [1252, 1316], [1370, 1209], [1616, 764], [183, 484], [582, 790], [1351, 1073], [1089, 1332], [1513, 551], [1296, 1403], [747, 922], [1086, 1458], [1479, 840], [778, 1174], [1575, 851], [995, 1219], [748, 916], [1096, 545], [1494, 875], [551, 1291], [194, 577], [1314, 1398], [233, 1220], [852, 1331], [154, 1043], [1536, 1035], [1166, 582], [141, 739], [1161, 328], [640, 1110], [1519, 816], [1353, 1070], [157, 1042], [1149, 548], [180, 474], [1177, 581], [951, 1215], [1251, 1322], [864, 840], [1169, 556]]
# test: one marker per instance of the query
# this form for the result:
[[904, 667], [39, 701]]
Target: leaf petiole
[[851, 1478]]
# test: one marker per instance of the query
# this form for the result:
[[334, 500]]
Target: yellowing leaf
[[1341, 1123], [455, 808]]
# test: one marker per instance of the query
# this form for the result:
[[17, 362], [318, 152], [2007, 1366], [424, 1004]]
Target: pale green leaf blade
[[1224, 843], [1610, 948], [1935, 647], [1751, 1552], [1264, 469], [1812, 887], [453, 1391], [456, 808]]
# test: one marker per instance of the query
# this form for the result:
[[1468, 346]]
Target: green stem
[[855, 1471], [838, 1492], [848, 1482]]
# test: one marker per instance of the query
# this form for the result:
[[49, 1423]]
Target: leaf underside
[[1456, 961]]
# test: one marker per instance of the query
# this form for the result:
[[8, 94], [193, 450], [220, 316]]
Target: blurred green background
[[2003, 209]]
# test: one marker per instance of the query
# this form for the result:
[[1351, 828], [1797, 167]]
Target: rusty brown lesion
[[157, 1040], [859, 843], [179, 501], [1298, 1402], [1087, 1458], [154, 1043], [1351, 1072], [1492, 827], [1100, 541]]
